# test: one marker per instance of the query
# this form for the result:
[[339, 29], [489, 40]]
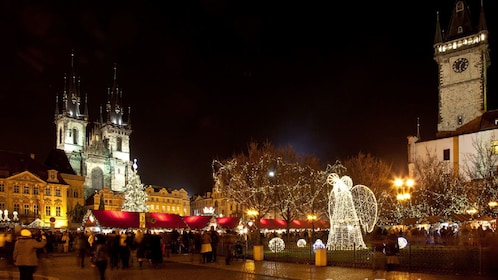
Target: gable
[[26, 176]]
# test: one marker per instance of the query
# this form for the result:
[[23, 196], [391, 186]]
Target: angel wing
[[331, 180], [365, 205]]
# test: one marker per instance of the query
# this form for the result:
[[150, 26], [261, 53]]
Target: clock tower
[[462, 56]]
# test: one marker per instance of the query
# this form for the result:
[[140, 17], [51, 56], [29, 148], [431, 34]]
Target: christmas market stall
[[199, 222], [163, 221], [228, 222], [101, 220]]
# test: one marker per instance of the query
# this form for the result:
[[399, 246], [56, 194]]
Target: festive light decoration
[[301, 243], [135, 197], [318, 245], [402, 242], [276, 244], [351, 210]]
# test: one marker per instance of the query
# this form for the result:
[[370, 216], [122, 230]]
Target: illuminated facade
[[100, 152], [33, 191], [172, 202], [464, 121], [216, 204], [160, 200]]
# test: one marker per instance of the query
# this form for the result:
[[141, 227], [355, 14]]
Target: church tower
[[462, 55], [70, 123], [99, 151]]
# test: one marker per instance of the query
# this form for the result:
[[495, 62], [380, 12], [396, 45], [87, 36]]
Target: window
[[460, 120], [47, 191], [35, 209], [75, 136], [119, 144], [2, 206], [57, 192], [47, 211], [2, 188], [16, 207], [26, 209], [494, 147], [58, 211], [16, 189], [459, 6], [446, 154], [25, 190], [35, 190], [75, 194]]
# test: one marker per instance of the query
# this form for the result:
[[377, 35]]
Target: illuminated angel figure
[[351, 210]]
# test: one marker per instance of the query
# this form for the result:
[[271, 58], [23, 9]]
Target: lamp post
[[312, 218], [403, 193]]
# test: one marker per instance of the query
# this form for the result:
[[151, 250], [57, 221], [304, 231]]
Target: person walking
[[206, 247], [24, 255], [229, 240], [83, 248], [100, 255], [215, 238]]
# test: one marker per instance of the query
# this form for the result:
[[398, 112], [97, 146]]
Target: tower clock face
[[460, 65]]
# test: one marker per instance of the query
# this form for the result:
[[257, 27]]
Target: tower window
[[459, 6], [446, 154], [460, 29], [75, 136], [119, 144]]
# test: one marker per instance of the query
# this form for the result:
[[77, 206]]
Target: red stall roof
[[163, 220], [294, 224], [197, 222], [228, 222], [113, 219]]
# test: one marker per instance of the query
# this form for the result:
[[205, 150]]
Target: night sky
[[205, 78]]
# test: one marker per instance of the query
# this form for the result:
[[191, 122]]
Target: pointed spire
[[86, 106], [438, 38], [101, 117], [460, 22], [482, 20], [418, 127], [129, 117], [56, 104]]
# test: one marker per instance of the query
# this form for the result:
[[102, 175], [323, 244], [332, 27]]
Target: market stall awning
[[294, 224], [228, 222], [197, 222], [112, 219], [164, 221]]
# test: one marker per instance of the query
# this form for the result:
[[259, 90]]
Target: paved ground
[[180, 267]]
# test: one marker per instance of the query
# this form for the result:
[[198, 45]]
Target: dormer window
[[460, 120]]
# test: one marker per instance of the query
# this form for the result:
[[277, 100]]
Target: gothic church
[[98, 150]]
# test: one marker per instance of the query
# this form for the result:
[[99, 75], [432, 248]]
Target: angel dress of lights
[[351, 210]]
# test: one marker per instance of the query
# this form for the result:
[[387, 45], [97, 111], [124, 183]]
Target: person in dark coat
[[101, 256], [24, 256], [83, 248]]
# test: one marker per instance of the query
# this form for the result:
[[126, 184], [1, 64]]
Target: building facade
[[465, 126], [99, 150], [30, 191]]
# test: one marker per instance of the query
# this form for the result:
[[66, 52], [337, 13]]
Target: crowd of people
[[119, 249]]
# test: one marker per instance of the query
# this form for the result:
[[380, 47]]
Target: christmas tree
[[135, 197]]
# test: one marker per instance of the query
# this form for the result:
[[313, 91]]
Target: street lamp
[[312, 218], [403, 191]]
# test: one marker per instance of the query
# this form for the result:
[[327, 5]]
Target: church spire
[[438, 38], [482, 20], [460, 22]]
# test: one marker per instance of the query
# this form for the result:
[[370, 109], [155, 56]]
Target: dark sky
[[205, 78]]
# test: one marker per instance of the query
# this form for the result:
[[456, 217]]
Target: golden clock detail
[[460, 65]]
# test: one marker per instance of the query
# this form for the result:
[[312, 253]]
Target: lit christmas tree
[[135, 197]]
